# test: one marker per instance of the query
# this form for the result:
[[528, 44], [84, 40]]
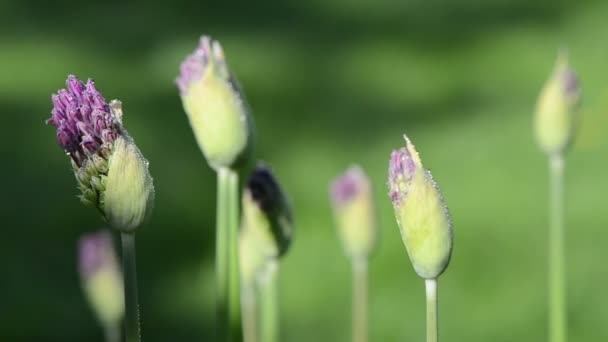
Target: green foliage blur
[[331, 83]]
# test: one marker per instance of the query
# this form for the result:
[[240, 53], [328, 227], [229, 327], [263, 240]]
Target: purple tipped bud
[[556, 117], [101, 278], [354, 211], [215, 106], [96, 251]]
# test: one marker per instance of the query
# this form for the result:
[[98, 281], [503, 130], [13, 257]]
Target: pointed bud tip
[[193, 67]]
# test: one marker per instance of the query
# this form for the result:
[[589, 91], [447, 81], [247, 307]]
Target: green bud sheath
[[421, 214], [555, 119], [129, 192]]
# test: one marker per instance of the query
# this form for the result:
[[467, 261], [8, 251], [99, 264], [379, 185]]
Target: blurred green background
[[331, 83]]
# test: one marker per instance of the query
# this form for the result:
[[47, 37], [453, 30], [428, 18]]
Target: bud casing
[[421, 213], [129, 192], [215, 106]]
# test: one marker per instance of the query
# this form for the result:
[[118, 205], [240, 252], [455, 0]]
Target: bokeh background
[[331, 83]]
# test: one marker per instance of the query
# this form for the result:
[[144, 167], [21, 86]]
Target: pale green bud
[[129, 191], [421, 213], [101, 278], [352, 202], [556, 118], [215, 106]]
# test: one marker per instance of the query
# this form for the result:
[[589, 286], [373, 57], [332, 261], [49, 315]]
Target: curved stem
[[359, 327], [432, 330], [130, 279], [269, 316], [557, 282]]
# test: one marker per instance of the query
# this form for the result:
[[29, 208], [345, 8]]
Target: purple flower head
[[403, 165], [96, 252], [193, 67], [83, 120], [348, 186]]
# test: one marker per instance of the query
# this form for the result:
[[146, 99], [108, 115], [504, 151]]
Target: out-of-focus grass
[[330, 84]]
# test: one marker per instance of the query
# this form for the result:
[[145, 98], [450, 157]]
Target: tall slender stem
[[221, 256], [432, 330], [557, 279], [227, 260], [130, 278], [359, 301], [269, 316]]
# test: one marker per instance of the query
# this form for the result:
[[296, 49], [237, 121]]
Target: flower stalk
[[227, 259], [359, 323], [132, 330], [555, 125], [424, 223], [222, 126], [432, 330], [557, 269], [354, 212], [110, 171]]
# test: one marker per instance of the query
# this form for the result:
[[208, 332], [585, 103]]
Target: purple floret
[[193, 66], [348, 186], [95, 251], [570, 82], [400, 171], [83, 119]]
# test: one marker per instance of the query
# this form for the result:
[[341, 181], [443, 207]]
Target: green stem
[[557, 281], [269, 316], [227, 260], [250, 330], [130, 279], [359, 300], [432, 330], [112, 333]]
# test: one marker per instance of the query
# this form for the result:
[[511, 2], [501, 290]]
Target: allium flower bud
[[215, 106], [421, 213], [267, 213], [101, 277], [111, 172], [352, 202], [556, 119]]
